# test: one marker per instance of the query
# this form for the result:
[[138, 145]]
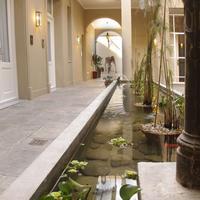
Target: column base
[[188, 161]]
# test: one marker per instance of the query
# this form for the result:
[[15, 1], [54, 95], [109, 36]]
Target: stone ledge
[[43, 172], [158, 182]]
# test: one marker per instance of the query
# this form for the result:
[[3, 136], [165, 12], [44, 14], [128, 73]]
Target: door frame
[[50, 20], [12, 53]]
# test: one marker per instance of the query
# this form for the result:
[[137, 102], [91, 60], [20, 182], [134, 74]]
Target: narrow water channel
[[121, 118]]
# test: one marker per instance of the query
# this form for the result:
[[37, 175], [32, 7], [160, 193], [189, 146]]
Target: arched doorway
[[108, 46], [103, 39]]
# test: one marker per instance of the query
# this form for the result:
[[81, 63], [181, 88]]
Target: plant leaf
[[127, 191]]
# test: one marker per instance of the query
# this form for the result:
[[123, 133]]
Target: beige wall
[[139, 23], [91, 15], [32, 62], [139, 36], [89, 51], [77, 48], [63, 61], [31, 59], [21, 48], [37, 55]]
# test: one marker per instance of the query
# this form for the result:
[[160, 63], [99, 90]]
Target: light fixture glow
[[181, 45], [155, 42], [78, 39], [38, 18]]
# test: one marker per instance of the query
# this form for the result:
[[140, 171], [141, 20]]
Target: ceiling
[[105, 23], [105, 4]]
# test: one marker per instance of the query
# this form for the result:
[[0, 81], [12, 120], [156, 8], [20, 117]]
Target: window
[[177, 43], [4, 33]]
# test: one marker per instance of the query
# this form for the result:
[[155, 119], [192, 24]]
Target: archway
[[96, 33], [109, 45]]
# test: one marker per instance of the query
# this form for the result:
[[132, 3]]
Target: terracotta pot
[[94, 74]]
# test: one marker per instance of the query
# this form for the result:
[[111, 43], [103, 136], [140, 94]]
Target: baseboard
[[8, 103]]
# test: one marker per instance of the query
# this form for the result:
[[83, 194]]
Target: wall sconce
[[155, 42], [78, 39], [181, 45], [38, 18]]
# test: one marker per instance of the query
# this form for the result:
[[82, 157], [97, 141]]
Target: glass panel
[[179, 24], [181, 63], [171, 23], [49, 42], [49, 6], [4, 34]]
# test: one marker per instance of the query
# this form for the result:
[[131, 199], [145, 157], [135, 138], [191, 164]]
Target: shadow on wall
[[104, 52]]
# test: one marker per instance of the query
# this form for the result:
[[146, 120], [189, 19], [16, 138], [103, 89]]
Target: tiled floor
[[158, 182], [28, 127]]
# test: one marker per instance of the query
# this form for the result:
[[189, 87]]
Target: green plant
[[130, 174], [76, 166], [69, 190], [97, 61], [128, 191], [119, 142], [155, 27], [138, 82]]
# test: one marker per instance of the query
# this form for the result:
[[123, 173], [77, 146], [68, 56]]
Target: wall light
[[38, 18], [78, 39], [155, 42], [181, 45]]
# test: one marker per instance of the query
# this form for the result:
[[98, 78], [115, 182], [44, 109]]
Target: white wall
[[104, 52]]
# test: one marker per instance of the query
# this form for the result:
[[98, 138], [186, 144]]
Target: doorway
[[8, 72], [51, 47]]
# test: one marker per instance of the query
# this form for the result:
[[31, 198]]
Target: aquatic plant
[[69, 190], [76, 166], [127, 191], [119, 142], [130, 174]]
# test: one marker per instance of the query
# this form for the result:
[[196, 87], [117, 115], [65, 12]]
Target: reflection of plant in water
[[75, 166], [69, 190], [119, 142]]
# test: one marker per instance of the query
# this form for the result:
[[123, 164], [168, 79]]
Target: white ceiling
[[103, 4], [105, 23]]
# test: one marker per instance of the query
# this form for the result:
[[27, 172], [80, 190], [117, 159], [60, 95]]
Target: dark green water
[[121, 118]]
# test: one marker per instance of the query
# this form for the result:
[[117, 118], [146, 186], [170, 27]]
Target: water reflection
[[122, 118]]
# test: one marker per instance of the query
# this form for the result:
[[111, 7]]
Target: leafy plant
[[155, 27], [128, 191], [119, 142], [69, 190], [138, 82], [76, 166], [97, 61], [130, 174]]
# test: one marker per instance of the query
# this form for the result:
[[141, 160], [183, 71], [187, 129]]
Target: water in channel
[[121, 118]]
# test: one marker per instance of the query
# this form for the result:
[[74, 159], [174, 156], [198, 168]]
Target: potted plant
[[97, 63], [155, 26], [172, 107]]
